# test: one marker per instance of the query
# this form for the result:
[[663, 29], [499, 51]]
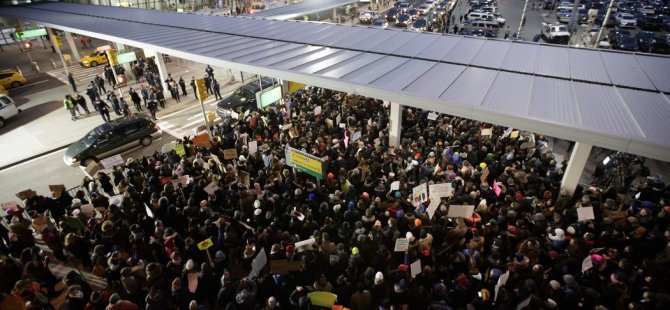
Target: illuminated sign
[[304, 162], [268, 97]]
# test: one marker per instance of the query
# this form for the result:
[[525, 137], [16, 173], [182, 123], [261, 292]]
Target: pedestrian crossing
[[83, 76]]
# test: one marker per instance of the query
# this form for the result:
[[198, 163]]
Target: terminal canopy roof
[[297, 10], [609, 99]]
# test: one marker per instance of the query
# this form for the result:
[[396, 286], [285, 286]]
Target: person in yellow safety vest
[[70, 106]]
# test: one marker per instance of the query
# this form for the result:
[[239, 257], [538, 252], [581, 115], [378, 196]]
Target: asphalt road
[[50, 169]]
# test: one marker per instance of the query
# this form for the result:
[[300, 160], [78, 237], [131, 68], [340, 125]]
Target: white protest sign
[[415, 268], [317, 110], [356, 136], [487, 132], [501, 281], [395, 185], [585, 214], [419, 194], [305, 244], [211, 188], [432, 116], [507, 132], [437, 191], [253, 147], [116, 200], [182, 180], [112, 161], [463, 211], [587, 264], [434, 203], [148, 210], [338, 119], [401, 245], [258, 263]]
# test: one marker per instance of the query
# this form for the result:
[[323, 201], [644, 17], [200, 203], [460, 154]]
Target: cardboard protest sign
[[258, 263], [211, 188], [283, 266], [286, 126], [92, 168], [57, 190], [205, 244], [585, 214], [230, 154], [401, 245], [415, 268], [253, 147], [27, 194], [432, 116], [192, 282], [202, 140], [329, 123], [419, 194], [112, 161], [245, 178], [463, 211]]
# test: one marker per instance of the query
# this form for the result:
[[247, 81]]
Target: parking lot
[[508, 14]]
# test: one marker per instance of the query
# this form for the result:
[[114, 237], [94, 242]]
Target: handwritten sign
[[116, 200], [179, 149], [401, 245], [395, 185], [434, 204], [229, 154], [211, 188], [487, 132], [317, 110], [205, 244], [419, 194], [304, 245], [112, 161], [253, 147], [437, 191], [415, 268], [258, 263], [463, 211], [585, 214], [356, 136], [432, 116], [182, 180], [202, 140], [57, 190]]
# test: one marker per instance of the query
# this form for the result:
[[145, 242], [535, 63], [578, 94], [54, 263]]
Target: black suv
[[244, 98], [112, 138]]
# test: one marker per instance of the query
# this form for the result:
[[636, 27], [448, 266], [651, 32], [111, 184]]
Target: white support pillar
[[72, 45], [162, 72], [60, 55], [126, 66], [578, 157], [395, 120]]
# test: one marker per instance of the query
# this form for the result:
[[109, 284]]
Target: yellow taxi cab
[[93, 60], [3, 91], [10, 78]]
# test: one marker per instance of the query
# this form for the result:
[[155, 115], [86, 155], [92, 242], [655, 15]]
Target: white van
[[481, 24], [7, 109]]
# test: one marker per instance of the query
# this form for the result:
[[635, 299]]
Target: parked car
[[11, 78], [404, 7], [112, 138], [625, 20], [558, 34], [485, 33], [564, 16], [420, 24], [611, 21], [380, 23], [644, 39], [647, 22], [582, 16], [7, 109], [367, 17], [548, 5], [626, 43], [424, 9], [659, 46], [414, 13], [403, 20], [565, 5], [392, 14]]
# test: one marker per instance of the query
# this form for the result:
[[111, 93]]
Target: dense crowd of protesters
[[524, 228]]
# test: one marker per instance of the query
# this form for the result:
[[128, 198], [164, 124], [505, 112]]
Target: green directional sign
[[29, 34], [125, 58], [268, 97]]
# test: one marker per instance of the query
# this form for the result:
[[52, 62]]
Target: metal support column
[[578, 157], [396, 124], [72, 45], [53, 42], [162, 72]]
